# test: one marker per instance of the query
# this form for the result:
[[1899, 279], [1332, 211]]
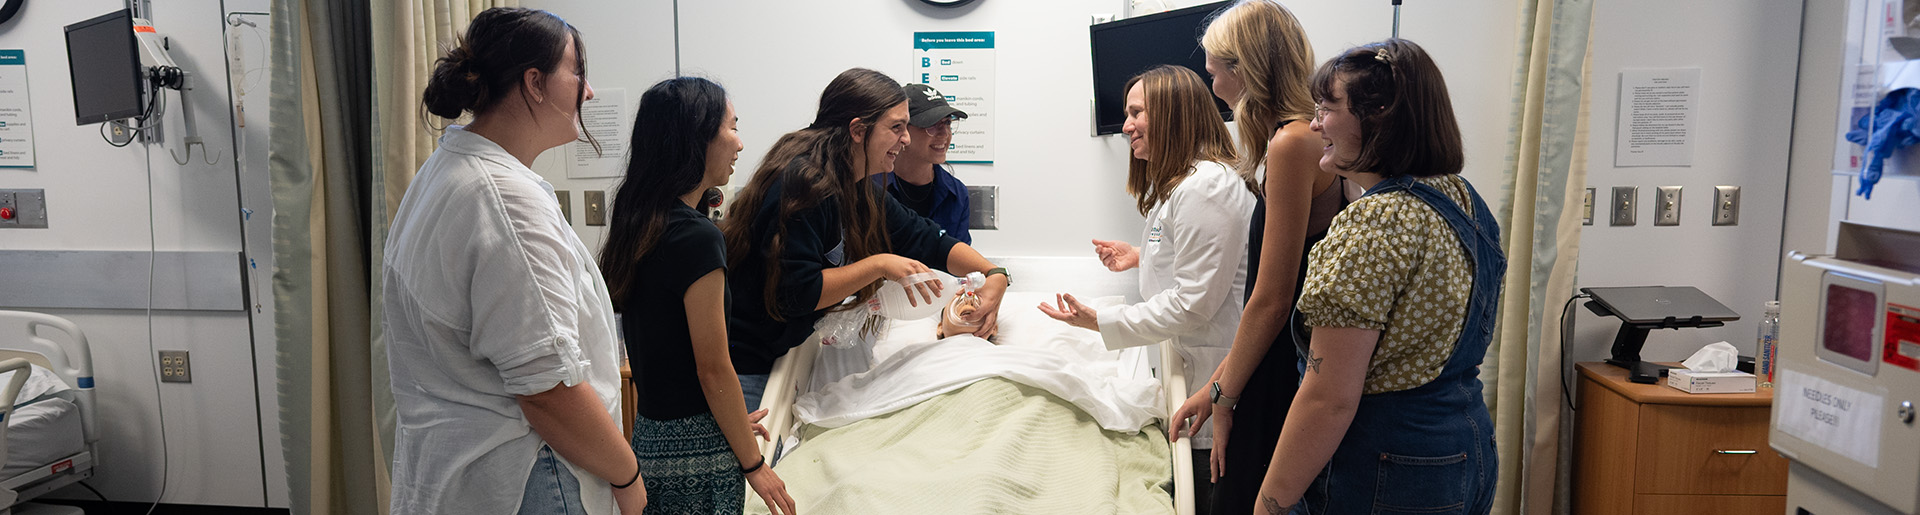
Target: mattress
[[995, 446], [42, 432]]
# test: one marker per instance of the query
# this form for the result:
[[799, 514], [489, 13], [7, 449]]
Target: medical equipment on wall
[[99, 55], [1849, 375]]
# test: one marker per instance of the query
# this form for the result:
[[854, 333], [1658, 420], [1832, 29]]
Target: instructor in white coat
[[1193, 266]]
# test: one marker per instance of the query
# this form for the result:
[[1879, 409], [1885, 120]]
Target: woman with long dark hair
[[810, 230], [665, 265], [500, 335]]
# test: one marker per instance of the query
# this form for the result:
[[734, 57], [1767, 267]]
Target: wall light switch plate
[[174, 367], [566, 204], [1726, 205], [1667, 209], [596, 207], [984, 210], [1586, 210], [1623, 202]]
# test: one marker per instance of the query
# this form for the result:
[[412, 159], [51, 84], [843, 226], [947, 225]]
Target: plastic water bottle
[[1768, 343], [892, 300]]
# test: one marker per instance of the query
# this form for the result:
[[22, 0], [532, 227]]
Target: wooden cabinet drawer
[[1680, 453], [1704, 504]]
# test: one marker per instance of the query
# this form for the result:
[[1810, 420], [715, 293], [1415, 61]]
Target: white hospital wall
[[1059, 186], [98, 201], [630, 45], [1742, 134]]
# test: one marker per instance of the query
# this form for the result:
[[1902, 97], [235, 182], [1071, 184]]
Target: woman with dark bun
[[500, 334]]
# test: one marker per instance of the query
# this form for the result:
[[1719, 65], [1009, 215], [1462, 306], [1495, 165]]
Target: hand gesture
[[753, 421], [1118, 256], [1070, 310], [1195, 410], [772, 490]]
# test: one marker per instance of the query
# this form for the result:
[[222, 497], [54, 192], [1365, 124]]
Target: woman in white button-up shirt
[[1193, 263], [500, 335]]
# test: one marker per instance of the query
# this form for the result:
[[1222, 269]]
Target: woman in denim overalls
[[1401, 299]]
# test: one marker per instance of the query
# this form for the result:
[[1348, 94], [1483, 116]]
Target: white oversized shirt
[[1193, 275], [489, 295]]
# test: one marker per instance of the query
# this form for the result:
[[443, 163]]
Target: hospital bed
[[791, 378], [48, 439]]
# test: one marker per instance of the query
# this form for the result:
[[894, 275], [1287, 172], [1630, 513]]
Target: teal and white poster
[[16, 116], [960, 65]]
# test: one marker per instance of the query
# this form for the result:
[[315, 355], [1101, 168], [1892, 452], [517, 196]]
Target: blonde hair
[[1264, 46], [1185, 129]]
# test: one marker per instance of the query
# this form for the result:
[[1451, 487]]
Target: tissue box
[[1710, 382]]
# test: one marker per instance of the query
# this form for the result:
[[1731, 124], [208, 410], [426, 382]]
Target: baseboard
[[140, 508]]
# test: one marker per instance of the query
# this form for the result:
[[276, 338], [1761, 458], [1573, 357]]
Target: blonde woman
[[1192, 264], [1259, 57]]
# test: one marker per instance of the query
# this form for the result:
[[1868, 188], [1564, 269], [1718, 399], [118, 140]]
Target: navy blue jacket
[[951, 207]]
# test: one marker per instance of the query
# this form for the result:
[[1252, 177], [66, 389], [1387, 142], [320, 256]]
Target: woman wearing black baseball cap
[[809, 230]]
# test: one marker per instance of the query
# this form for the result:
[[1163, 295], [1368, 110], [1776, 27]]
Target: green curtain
[[336, 407], [1538, 208]]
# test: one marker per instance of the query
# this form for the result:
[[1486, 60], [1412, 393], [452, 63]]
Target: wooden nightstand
[[1650, 449]]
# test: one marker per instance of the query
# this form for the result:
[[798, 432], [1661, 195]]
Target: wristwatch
[[1222, 400], [1003, 272]]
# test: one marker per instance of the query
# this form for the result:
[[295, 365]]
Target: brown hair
[[489, 60], [1183, 128], [1265, 47], [813, 165], [1407, 125]]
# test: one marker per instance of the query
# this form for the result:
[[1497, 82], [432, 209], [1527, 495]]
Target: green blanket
[[995, 446]]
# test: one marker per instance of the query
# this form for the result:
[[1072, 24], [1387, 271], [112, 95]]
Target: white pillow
[[41, 382]]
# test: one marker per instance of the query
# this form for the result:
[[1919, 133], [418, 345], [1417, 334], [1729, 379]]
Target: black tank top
[[1325, 205]]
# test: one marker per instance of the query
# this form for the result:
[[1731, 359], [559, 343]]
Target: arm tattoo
[[1313, 362], [1270, 506]]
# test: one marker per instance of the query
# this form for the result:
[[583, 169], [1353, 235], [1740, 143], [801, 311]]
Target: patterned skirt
[[687, 466]]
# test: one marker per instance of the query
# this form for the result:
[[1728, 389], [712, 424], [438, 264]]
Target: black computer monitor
[[105, 63], [1124, 48]]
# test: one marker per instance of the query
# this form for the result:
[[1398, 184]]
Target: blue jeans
[[752, 386], [551, 488]]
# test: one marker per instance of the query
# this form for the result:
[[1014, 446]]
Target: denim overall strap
[[1428, 449]]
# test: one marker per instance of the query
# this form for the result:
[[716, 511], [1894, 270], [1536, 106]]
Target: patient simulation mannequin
[[953, 317]]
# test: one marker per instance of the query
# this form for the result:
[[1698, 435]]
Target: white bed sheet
[[1114, 387], [41, 433]]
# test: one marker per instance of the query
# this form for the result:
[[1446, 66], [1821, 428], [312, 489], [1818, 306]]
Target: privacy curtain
[[1539, 208], [336, 408], [408, 36]]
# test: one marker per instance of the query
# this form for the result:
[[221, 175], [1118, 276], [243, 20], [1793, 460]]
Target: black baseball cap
[[926, 106]]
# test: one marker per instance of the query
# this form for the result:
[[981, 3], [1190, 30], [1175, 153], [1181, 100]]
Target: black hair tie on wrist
[[630, 482], [756, 466]]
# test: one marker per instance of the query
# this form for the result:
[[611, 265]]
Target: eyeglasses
[[943, 128], [1320, 113]]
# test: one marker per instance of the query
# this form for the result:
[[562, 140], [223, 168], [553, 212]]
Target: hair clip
[[1381, 55]]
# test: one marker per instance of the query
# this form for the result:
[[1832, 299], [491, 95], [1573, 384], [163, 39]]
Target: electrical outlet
[[566, 204], [1667, 211], [1624, 200], [1586, 210], [174, 367], [596, 207], [1726, 205]]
